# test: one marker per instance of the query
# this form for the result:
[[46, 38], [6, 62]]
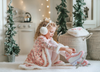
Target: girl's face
[[51, 31]]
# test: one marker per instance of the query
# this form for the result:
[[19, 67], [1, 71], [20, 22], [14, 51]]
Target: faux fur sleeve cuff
[[67, 46], [59, 46], [57, 49]]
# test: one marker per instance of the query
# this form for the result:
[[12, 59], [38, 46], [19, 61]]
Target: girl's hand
[[73, 50], [66, 49], [69, 51]]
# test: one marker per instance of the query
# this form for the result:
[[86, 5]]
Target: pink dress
[[45, 53]]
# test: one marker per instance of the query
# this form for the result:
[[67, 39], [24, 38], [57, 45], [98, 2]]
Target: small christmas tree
[[61, 20], [79, 16], [10, 46]]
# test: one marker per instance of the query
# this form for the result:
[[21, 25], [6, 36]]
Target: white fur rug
[[13, 67]]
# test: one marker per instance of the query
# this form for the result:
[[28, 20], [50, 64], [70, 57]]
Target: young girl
[[46, 51]]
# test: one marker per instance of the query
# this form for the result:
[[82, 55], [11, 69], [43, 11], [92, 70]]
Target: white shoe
[[74, 58]]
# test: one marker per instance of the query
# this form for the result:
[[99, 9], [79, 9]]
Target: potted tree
[[62, 18], [11, 48], [79, 16]]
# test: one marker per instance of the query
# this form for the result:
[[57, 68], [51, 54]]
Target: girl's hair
[[43, 24]]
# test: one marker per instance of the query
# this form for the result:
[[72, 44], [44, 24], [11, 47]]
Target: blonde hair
[[43, 24]]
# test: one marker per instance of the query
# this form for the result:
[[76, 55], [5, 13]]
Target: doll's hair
[[43, 24]]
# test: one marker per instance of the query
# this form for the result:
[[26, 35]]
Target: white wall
[[33, 6], [0, 27], [98, 13], [2, 22]]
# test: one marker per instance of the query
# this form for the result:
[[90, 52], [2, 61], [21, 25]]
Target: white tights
[[54, 55]]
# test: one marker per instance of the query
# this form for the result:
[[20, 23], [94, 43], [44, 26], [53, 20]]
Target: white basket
[[79, 43], [73, 42], [93, 44]]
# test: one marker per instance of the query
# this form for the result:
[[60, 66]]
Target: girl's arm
[[63, 48], [66, 49], [45, 44]]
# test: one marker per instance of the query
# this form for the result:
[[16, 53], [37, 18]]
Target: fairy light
[[41, 3], [22, 2], [42, 15], [24, 7], [47, 6], [49, 12], [39, 9]]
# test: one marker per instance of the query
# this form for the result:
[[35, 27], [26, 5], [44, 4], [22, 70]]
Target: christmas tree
[[10, 46], [61, 20], [79, 16]]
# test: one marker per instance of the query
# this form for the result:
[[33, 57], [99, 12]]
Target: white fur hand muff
[[78, 31], [43, 30]]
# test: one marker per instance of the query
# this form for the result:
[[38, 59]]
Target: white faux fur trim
[[57, 50], [44, 57], [67, 46], [34, 66], [59, 46], [60, 64], [48, 57]]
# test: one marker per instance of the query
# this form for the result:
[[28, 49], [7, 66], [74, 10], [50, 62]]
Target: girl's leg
[[56, 59], [53, 56], [50, 52]]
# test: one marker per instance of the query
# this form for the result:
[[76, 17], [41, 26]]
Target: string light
[[47, 6], [22, 2], [41, 3], [39, 9], [49, 12], [24, 7], [42, 15]]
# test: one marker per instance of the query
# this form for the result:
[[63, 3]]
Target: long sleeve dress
[[45, 52]]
